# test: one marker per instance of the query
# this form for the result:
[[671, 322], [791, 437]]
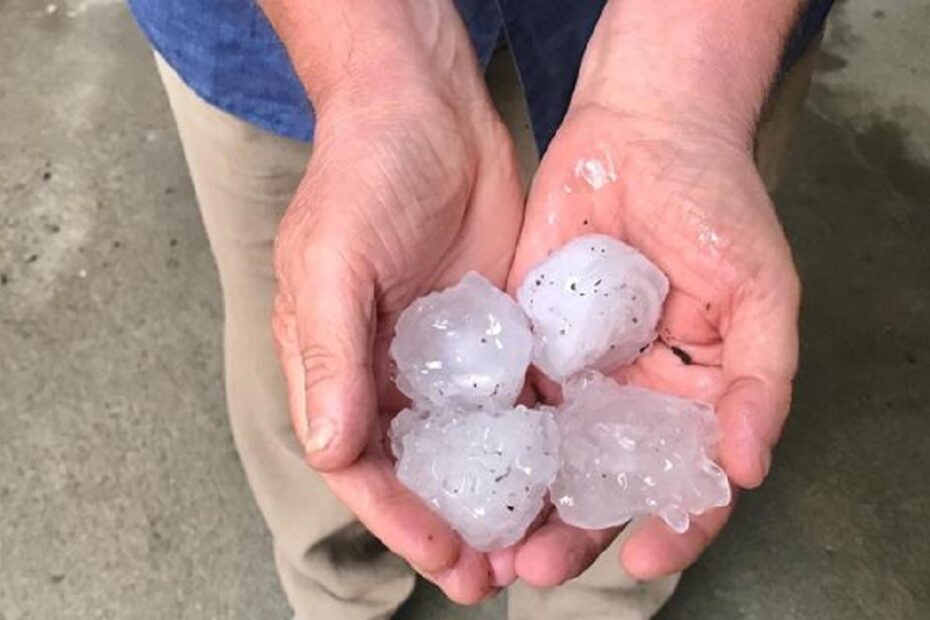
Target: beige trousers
[[329, 566]]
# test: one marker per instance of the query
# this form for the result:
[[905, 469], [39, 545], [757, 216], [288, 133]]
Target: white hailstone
[[466, 346], [594, 304], [628, 451], [485, 471]]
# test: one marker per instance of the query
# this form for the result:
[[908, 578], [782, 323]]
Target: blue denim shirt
[[226, 51]]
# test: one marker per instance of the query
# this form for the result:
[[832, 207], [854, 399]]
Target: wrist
[[359, 53], [703, 65]]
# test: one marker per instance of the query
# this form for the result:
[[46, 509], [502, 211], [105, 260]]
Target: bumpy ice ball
[[594, 304], [466, 346], [485, 471], [628, 451]]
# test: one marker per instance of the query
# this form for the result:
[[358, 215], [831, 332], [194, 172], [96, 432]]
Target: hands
[[411, 184]]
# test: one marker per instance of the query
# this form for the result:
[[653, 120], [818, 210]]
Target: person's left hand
[[691, 200]]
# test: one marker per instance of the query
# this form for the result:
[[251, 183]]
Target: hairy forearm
[[705, 62], [360, 48]]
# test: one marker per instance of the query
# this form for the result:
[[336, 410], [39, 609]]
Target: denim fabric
[[226, 51]]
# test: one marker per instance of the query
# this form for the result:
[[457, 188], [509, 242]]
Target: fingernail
[[440, 574], [319, 434], [765, 460], [434, 576]]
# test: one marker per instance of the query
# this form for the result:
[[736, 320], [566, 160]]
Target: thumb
[[760, 357], [323, 322]]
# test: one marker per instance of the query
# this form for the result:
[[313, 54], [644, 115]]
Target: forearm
[[357, 48], [704, 62]]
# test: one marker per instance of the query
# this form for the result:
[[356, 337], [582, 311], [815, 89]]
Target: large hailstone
[[628, 451], [466, 346], [485, 471], [594, 304]]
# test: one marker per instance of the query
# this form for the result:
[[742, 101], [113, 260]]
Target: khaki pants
[[329, 566]]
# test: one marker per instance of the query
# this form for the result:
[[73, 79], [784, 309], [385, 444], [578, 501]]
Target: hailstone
[[593, 304], [627, 451], [485, 471], [466, 346], [609, 453]]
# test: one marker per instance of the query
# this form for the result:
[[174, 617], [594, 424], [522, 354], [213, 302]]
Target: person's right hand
[[412, 182]]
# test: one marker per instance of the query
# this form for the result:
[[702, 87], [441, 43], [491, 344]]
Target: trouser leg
[[330, 567]]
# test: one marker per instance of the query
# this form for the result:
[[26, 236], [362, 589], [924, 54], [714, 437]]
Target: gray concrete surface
[[120, 492]]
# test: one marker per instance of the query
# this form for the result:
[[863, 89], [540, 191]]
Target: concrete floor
[[120, 491]]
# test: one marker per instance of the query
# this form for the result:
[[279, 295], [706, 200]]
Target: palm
[[695, 206]]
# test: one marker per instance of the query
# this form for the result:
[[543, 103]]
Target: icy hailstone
[[485, 471], [466, 346], [593, 304], [628, 451]]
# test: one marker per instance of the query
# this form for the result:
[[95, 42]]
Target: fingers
[[759, 361], [557, 552], [370, 489], [323, 324], [546, 390], [751, 415], [664, 371], [690, 325], [469, 581], [653, 550], [284, 327], [756, 350], [503, 571]]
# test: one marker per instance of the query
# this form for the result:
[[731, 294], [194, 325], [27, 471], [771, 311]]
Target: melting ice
[[594, 303], [628, 451], [609, 453], [468, 345], [485, 471]]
